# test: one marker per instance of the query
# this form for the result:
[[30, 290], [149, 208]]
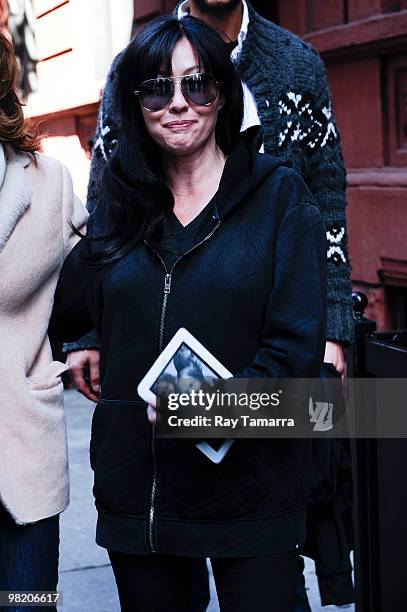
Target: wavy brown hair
[[15, 129]]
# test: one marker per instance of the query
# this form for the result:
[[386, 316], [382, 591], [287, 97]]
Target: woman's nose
[[178, 102]]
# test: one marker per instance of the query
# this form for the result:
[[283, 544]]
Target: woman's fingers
[[151, 414], [94, 362], [79, 363], [334, 354]]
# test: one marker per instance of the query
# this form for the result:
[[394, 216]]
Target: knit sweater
[[288, 81]]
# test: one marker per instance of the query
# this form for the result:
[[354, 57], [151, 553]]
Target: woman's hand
[[334, 354], [152, 413], [81, 362]]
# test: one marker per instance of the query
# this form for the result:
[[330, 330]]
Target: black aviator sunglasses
[[200, 89]]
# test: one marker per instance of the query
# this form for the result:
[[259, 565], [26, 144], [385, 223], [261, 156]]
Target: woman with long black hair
[[195, 229]]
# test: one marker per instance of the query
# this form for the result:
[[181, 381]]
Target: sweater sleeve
[[293, 336], [326, 178]]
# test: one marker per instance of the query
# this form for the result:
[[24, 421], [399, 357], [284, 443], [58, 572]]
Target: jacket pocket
[[46, 388], [43, 440], [257, 478], [47, 406], [47, 378], [192, 487], [120, 456]]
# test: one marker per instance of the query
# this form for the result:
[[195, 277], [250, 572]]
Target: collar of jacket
[[244, 170], [15, 193]]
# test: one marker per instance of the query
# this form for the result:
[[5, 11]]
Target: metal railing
[[380, 477]]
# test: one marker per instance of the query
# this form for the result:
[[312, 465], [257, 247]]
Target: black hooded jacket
[[253, 291]]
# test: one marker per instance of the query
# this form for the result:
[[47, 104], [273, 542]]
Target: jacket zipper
[[167, 291]]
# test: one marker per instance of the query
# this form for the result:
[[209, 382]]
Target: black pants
[[163, 583]]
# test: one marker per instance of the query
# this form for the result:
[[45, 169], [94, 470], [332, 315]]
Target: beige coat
[[36, 204]]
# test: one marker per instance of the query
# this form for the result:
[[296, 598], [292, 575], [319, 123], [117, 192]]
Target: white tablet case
[[183, 336]]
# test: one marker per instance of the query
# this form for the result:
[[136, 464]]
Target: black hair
[[134, 198]]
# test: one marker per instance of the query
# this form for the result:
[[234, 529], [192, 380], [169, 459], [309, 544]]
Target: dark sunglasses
[[200, 89]]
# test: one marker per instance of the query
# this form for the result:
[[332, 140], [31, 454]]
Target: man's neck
[[228, 26]]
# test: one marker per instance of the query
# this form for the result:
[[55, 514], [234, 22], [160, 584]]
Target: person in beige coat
[[37, 206]]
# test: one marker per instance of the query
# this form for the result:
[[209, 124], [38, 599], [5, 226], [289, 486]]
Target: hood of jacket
[[247, 165]]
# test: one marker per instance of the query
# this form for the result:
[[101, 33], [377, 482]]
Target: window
[[396, 299]]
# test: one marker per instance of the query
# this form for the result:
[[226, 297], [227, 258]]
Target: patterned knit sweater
[[288, 80]]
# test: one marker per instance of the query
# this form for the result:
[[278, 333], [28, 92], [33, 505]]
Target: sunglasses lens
[[200, 89], [155, 94]]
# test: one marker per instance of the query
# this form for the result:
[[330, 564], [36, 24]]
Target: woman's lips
[[179, 125]]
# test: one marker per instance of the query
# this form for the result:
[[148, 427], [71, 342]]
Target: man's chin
[[217, 7]]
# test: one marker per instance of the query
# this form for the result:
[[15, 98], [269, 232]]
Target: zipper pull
[[167, 283]]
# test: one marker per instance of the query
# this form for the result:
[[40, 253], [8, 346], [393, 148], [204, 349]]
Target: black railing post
[[356, 360], [364, 478], [378, 462]]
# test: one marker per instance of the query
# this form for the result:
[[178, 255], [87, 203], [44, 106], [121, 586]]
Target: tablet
[[185, 361]]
